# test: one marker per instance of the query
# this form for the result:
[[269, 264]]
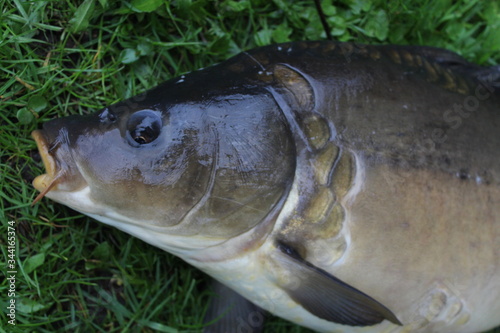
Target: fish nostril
[[107, 116]]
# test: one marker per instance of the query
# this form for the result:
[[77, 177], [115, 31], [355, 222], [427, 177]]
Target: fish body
[[344, 187]]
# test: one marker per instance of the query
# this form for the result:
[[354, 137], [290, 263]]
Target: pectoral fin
[[327, 297], [230, 312]]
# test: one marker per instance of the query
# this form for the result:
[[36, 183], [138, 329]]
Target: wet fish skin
[[370, 173], [192, 147]]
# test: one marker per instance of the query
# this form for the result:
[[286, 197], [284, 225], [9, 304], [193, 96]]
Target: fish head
[[173, 161], [114, 161]]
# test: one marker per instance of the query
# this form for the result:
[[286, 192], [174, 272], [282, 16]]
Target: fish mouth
[[47, 181]]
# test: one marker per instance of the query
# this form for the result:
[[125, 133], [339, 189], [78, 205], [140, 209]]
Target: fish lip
[[49, 180], [41, 182]]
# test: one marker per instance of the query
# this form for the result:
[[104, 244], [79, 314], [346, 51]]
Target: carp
[[343, 187]]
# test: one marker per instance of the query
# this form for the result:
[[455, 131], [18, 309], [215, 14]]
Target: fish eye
[[143, 127]]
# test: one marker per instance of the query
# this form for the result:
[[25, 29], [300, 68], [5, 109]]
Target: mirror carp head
[[197, 157]]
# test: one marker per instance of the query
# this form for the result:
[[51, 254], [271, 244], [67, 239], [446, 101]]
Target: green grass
[[60, 57]]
